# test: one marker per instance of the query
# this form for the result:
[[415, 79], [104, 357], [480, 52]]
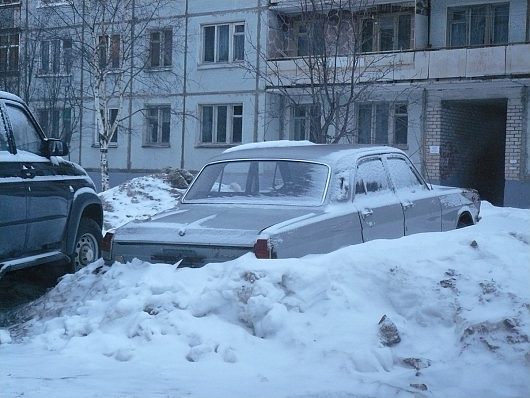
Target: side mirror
[[56, 147]]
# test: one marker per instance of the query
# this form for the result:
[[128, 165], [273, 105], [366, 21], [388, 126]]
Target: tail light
[[263, 249], [106, 245]]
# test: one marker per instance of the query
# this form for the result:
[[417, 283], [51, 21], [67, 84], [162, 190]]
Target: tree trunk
[[104, 168]]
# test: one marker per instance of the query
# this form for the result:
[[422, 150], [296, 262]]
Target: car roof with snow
[[9, 96], [325, 153]]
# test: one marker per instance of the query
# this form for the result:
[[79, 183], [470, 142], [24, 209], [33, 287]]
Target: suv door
[[421, 206], [49, 195], [379, 208], [13, 190]]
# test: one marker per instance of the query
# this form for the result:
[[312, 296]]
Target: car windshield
[[284, 182]]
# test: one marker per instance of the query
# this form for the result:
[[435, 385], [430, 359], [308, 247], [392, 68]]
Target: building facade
[[446, 81]]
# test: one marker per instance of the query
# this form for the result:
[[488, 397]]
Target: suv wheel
[[87, 244]]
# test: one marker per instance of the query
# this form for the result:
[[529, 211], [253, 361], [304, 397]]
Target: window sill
[[214, 145], [155, 69], [155, 146], [60, 74], [219, 65]]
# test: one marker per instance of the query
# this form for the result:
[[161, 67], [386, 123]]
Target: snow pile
[[138, 198], [438, 314]]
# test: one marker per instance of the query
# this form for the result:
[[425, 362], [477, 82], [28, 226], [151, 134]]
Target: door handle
[[367, 213], [27, 172], [408, 204]]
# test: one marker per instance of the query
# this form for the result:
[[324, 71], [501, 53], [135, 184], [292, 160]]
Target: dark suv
[[49, 209]]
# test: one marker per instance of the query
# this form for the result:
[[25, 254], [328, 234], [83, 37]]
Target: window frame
[[164, 45], [489, 28], [231, 116], [160, 143], [375, 34], [412, 168], [64, 54], [391, 120], [232, 34], [9, 48], [113, 60], [368, 193]]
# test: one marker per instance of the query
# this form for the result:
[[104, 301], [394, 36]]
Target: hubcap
[[85, 251]]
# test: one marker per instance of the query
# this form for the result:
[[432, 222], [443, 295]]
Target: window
[[221, 124], [109, 52], [374, 121], [56, 56], [5, 2], [261, 181], [9, 52], [401, 124], [403, 175], [224, 43], [112, 114], [158, 120], [371, 177], [478, 25], [161, 48], [387, 32], [310, 37], [27, 138], [56, 123], [303, 117]]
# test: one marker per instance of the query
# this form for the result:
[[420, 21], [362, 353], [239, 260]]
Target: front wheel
[[87, 247]]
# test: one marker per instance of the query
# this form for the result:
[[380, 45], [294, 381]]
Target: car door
[[48, 195], [379, 208], [421, 206], [13, 190]]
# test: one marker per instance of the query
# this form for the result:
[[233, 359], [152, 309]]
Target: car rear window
[[261, 182]]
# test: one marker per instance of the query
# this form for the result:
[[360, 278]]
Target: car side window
[[27, 138], [371, 177], [403, 176]]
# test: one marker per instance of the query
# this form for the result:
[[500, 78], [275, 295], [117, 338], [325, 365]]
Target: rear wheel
[[465, 220], [87, 247]]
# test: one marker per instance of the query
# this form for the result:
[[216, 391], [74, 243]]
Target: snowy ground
[[305, 327]]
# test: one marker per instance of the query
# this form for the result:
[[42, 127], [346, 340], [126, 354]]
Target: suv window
[[371, 177], [402, 175], [27, 138]]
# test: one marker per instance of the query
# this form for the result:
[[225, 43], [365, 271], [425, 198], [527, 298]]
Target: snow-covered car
[[289, 201]]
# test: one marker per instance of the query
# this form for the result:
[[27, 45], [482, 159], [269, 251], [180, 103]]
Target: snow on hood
[[291, 328]]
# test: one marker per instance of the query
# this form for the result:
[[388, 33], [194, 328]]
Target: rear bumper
[[183, 256]]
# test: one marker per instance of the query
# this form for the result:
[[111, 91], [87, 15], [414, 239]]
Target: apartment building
[[446, 81]]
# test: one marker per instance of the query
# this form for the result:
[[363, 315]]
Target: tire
[[465, 220], [87, 248]]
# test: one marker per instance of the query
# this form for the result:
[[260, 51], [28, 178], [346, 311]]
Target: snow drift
[[311, 327]]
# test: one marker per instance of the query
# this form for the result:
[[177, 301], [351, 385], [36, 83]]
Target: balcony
[[458, 63]]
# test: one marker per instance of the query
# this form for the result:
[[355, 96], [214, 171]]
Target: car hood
[[211, 225]]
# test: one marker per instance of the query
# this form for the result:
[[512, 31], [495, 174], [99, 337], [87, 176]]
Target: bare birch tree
[[110, 44], [326, 56]]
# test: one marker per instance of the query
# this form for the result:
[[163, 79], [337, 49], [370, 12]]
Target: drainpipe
[[129, 126], [82, 84], [258, 71], [185, 86]]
